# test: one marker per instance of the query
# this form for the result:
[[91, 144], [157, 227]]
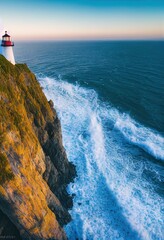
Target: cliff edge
[[34, 169]]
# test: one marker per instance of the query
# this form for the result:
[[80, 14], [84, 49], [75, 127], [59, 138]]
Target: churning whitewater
[[114, 155]]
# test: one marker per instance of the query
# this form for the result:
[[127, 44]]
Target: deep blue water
[[109, 97]]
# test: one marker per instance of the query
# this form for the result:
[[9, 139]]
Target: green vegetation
[[1, 137], [22, 105], [5, 171]]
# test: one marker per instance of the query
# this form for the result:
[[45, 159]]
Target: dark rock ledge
[[34, 169]]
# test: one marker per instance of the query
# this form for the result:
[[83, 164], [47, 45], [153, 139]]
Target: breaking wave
[[115, 191]]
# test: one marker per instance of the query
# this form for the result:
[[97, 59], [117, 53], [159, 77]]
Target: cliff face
[[34, 169]]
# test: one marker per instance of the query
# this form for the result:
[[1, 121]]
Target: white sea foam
[[114, 199], [141, 136]]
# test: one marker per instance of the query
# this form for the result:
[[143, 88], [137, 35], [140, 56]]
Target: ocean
[[109, 96]]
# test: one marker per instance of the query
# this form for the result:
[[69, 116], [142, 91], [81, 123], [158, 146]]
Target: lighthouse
[[7, 48]]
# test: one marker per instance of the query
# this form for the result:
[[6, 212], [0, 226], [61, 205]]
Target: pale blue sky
[[83, 19]]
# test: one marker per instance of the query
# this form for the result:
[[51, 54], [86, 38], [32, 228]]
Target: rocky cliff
[[34, 169]]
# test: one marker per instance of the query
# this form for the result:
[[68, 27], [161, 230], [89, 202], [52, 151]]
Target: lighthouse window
[[6, 38]]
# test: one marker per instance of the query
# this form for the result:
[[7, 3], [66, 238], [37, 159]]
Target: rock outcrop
[[34, 169]]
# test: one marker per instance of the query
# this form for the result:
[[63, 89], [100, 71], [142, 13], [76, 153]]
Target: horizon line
[[91, 39]]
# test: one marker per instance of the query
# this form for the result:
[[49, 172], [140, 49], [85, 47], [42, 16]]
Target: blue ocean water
[[109, 97]]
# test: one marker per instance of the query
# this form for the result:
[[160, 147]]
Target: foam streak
[[114, 199]]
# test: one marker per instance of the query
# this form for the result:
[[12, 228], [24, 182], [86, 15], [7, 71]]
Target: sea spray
[[115, 198]]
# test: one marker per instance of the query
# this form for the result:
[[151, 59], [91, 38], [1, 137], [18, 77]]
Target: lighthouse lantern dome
[[6, 37], [6, 40]]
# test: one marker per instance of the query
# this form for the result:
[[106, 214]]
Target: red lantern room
[[6, 40]]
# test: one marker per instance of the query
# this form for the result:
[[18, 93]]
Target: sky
[[82, 19]]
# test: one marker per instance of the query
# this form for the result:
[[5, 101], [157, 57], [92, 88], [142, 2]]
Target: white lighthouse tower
[[7, 48]]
